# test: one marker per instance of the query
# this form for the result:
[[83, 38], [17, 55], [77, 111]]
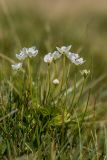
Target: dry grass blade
[[9, 114], [95, 82], [13, 87], [6, 58]]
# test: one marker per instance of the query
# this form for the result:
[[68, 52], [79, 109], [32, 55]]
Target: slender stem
[[66, 82], [80, 137], [81, 90], [48, 92], [48, 78], [80, 93], [29, 77], [83, 116], [55, 68], [73, 98], [63, 74], [68, 72], [62, 84], [62, 138]]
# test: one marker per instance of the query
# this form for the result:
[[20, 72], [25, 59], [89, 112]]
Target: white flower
[[74, 58], [71, 55], [16, 66], [27, 52], [48, 58], [56, 55], [78, 61], [22, 55], [31, 52], [85, 73], [64, 49], [56, 81]]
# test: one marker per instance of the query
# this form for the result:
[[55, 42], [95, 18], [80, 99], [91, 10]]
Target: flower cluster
[[73, 57], [27, 52], [24, 53], [48, 58]]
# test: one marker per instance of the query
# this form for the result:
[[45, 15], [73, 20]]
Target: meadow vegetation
[[53, 107]]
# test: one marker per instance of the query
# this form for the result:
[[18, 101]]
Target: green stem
[[55, 69], [29, 77], [80, 137], [48, 78], [63, 74], [81, 90], [48, 92], [66, 82], [82, 120], [73, 98]]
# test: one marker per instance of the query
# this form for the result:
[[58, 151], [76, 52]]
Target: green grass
[[48, 121]]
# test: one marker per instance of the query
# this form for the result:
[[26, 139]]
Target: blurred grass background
[[51, 23]]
